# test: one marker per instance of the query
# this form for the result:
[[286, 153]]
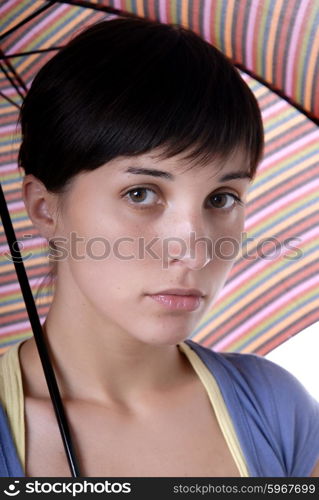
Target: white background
[[300, 356]]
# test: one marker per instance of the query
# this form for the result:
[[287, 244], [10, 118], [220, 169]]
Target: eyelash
[[237, 199]]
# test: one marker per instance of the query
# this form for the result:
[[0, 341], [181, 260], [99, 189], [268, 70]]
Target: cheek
[[109, 285], [230, 228]]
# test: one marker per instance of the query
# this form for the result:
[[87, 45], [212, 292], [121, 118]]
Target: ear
[[40, 205]]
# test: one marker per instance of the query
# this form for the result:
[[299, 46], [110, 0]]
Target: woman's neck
[[103, 366]]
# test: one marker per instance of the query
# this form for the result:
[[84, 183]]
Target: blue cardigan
[[276, 420]]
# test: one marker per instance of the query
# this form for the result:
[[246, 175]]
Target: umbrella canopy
[[272, 290]]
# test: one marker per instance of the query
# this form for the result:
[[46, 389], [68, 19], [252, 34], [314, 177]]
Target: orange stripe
[[289, 8], [308, 320], [238, 55], [184, 13], [238, 310], [39, 260], [250, 306], [25, 13], [281, 326], [68, 28], [17, 306], [298, 69], [195, 19], [286, 139], [140, 8], [314, 47], [243, 265], [258, 19], [274, 168], [276, 192], [294, 120], [271, 40], [228, 28], [169, 6]]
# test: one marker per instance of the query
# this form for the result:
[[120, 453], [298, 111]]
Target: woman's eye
[[140, 196], [225, 201]]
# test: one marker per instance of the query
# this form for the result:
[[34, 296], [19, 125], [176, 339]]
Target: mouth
[[179, 299], [193, 292]]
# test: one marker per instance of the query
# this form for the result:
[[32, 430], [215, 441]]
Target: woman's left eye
[[225, 201]]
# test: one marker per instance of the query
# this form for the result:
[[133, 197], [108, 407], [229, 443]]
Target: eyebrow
[[171, 177]]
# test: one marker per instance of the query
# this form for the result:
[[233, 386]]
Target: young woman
[[140, 141]]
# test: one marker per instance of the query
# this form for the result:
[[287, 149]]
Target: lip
[[181, 299], [181, 291]]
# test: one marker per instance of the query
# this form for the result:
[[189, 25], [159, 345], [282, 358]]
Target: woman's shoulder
[[252, 371], [270, 407]]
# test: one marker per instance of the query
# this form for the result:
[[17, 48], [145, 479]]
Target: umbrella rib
[[9, 100], [279, 92], [14, 72], [102, 8], [27, 19], [11, 80], [29, 53]]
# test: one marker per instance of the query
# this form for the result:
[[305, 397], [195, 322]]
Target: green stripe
[[14, 338], [216, 20], [274, 319], [294, 160], [242, 291], [299, 89], [261, 37], [178, 13], [13, 13]]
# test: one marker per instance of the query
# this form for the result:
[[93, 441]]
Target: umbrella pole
[[39, 337]]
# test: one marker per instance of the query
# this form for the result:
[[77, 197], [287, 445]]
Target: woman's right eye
[[137, 196]]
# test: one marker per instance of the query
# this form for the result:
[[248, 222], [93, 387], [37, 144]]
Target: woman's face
[[129, 234]]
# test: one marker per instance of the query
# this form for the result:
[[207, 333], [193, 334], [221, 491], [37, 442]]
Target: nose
[[191, 243]]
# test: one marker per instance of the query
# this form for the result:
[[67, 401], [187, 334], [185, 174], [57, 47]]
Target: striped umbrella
[[271, 292]]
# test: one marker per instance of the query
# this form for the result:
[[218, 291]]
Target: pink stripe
[[206, 23], [272, 110], [16, 286], [9, 167], [14, 328], [7, 128], [250, 42], [8, 5], [162, 10], [283, 200], [245, 76], [17, 205], [268, 311], [291, 60], [37, 29], [258, 267], [9, 91], [295, 146], [25, 243]]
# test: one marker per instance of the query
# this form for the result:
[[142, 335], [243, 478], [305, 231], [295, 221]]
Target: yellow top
[[11, 396]]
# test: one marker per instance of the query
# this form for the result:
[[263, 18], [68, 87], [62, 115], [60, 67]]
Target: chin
[[167, 338]]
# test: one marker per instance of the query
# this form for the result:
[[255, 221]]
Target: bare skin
[[170, 433]]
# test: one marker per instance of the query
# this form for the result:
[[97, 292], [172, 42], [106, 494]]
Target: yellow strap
[[218, 404], [12, 398]]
